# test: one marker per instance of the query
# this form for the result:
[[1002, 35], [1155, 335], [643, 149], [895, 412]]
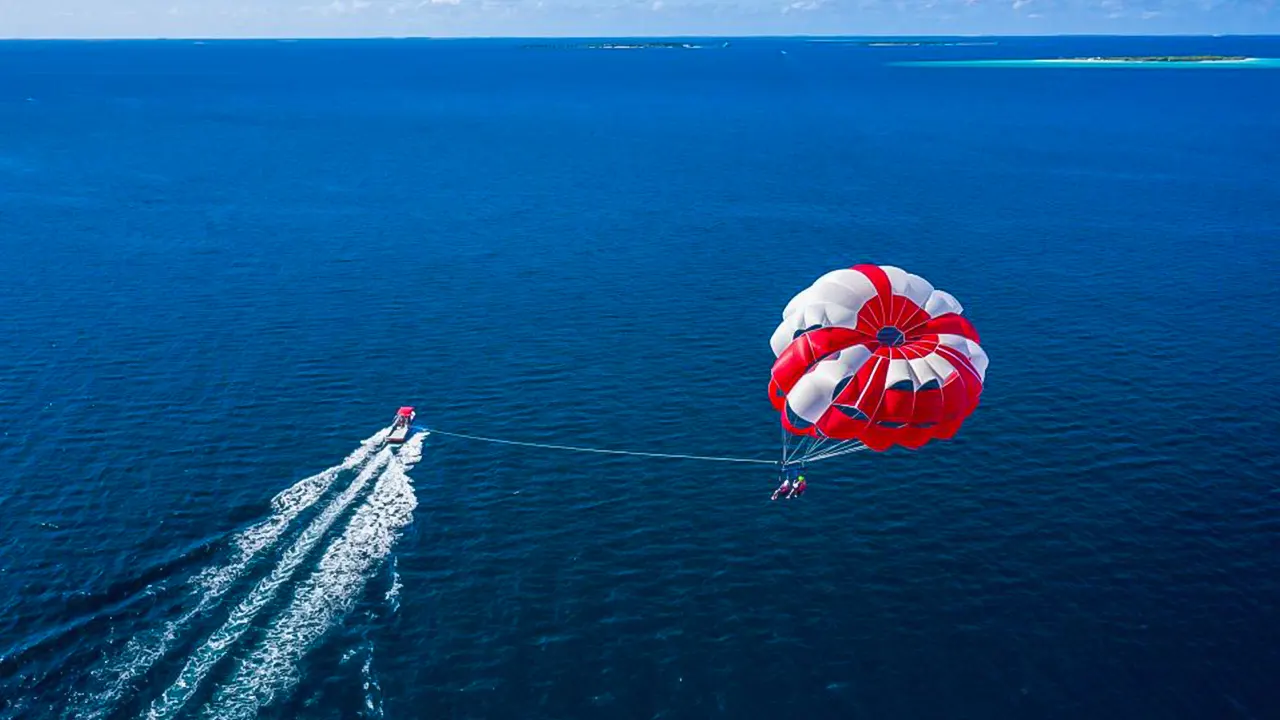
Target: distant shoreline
[[1171, 62], [900, 43], [1149, 60]]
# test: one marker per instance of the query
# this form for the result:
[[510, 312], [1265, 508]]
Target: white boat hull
[[401, 428]]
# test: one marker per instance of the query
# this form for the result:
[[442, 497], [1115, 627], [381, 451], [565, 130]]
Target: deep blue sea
[[224, 265]]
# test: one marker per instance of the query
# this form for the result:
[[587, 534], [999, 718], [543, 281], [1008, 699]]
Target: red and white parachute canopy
[[874, 356]]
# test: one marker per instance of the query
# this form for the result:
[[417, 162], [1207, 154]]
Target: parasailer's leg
[[783, 489], [784, 482]]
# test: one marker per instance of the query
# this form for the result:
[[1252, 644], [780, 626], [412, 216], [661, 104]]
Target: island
[[615, 46], [902, 43], [1161, 59], [1172, 62]]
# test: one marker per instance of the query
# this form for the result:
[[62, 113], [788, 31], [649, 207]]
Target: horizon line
[[752, 36]]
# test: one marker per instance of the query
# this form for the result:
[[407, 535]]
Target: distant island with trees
[[901, 43], [1161, 58], [653, 45]]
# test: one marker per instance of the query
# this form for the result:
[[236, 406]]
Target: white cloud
[[803, 6], [343, 7]]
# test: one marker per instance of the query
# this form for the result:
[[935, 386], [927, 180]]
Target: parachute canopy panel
[[873, 355]]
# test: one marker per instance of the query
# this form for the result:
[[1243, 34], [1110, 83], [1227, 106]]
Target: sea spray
[[141, 653], [372, 690], [392, 596], [325, 597], [219, 643], [287, 505]]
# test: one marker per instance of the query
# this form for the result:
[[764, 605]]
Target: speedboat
[[401, 425]]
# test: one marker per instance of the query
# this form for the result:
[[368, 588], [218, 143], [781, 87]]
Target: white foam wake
[[141, 653], [216, 646], [372, 690], [393, 593], [327, 596], [287, 506]]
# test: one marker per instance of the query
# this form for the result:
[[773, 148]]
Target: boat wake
[[327, 596], [141, 653], [345, 564], [241, 618]]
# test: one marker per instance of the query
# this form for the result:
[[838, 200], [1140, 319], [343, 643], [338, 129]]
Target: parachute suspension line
[[803, 448], [818, 446], [806, 449], [792, 448], [602, 451], [838, 451], [785, 448]]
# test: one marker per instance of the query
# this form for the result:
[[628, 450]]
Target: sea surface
[[224, 265]]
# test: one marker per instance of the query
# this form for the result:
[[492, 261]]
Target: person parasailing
[[791, 477], [784, 489], [798, 487]]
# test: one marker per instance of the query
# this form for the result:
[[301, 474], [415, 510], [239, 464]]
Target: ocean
[[226, 264]]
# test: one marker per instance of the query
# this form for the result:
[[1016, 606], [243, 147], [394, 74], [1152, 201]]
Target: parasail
[[872, 357]]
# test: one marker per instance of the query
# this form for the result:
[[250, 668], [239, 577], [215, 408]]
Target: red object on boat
[[400, 428]]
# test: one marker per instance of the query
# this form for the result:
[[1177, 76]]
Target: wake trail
[[241, 618], [327, 596], [372, 690], [141, 653]]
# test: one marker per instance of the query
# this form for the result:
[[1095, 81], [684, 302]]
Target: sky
[[537, 18]]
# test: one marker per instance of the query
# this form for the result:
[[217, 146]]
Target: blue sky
[[441, 18]]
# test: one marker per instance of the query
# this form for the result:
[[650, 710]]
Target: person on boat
[[798, 488]]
